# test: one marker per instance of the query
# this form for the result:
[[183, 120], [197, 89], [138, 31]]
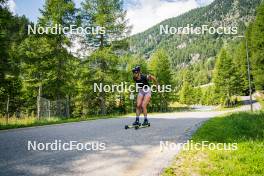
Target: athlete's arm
[[154, 79]]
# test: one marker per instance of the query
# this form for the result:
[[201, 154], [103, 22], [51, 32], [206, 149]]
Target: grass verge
[[245, 129], [32, 121]]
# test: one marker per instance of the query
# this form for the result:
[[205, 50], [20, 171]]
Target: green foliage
[[134, 61], [181, 49], [160, 67], [237, 127], [187, 93], [32, 121], [240, 61], [190, 94], [257, 59], [12, 31], [46, 64], [107, 14], [243, 130], [226, 78], [210, 96], [101, 69], [57, 12]]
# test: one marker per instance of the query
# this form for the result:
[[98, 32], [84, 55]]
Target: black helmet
[[136, 69]]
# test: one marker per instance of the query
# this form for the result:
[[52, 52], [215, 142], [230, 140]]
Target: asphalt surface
[[127, 152]]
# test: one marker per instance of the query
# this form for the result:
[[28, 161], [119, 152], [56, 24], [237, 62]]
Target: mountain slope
[[185, 49]]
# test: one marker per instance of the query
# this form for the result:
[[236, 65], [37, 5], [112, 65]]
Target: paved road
[[127, 152]]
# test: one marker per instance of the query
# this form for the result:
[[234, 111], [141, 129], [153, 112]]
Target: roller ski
[[145, 124], [136, 123]]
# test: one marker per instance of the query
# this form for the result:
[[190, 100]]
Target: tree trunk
[[102, 103], [38, 100]]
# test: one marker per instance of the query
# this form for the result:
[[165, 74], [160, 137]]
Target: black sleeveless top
[[143, 81]]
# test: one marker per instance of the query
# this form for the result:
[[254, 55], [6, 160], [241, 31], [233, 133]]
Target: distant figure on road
[[144, 93]]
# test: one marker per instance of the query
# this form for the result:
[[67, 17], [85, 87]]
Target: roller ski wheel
[[142, 126], [132, 126]]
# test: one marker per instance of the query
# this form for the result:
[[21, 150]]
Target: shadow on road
[[123, 147]]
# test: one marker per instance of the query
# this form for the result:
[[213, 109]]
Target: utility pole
[[249, 78], [248, 74]]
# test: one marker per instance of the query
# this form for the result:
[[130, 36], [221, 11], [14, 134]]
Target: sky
[[142, 14]]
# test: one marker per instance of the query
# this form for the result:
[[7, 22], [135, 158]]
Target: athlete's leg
[[145, 104], [139, 103]]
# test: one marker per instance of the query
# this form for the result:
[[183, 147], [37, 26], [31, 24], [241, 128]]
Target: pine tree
[[110, 16], [12, 32], [187, 93], [240, 62], [160, 67], [58, 12], [107, 16], [46, 67], [225, 77], [96, 101]]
